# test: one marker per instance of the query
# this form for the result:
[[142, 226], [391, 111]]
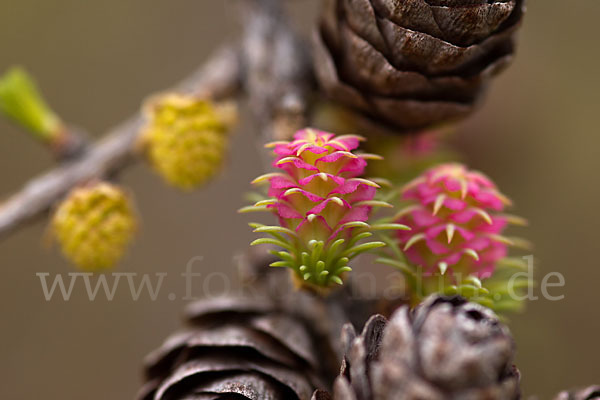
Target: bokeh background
[[537, 136]]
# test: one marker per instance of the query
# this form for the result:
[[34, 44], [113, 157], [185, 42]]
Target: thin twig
[[278, 76], [218, 77]]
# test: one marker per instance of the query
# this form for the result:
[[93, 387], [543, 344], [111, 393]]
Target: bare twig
[[219, 77], [278, 76]]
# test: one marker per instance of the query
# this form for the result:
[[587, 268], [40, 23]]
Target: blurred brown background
[[95, 60]]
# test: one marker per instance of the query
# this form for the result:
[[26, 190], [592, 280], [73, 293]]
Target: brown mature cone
[[236, 348], [414, 63], [590, 393], [275, 342], [447, 348]]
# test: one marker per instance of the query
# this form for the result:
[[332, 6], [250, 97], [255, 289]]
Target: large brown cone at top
[[414, 63]]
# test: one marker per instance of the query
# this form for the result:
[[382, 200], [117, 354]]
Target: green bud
[[21, 101]]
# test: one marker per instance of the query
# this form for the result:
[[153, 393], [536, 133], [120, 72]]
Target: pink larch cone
[[454, 221], [322, 203], [456, 235]]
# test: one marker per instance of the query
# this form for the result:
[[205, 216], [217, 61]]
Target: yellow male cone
[[94, 225], [186, 138]]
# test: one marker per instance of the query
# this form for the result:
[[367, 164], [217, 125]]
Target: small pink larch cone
[[322, 203], [456, 238]]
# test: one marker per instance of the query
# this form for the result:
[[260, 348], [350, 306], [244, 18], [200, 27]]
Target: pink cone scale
[[455, 222], [323, 205]]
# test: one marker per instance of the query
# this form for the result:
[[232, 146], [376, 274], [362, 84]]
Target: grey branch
[[218, 77], [278, 76]]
